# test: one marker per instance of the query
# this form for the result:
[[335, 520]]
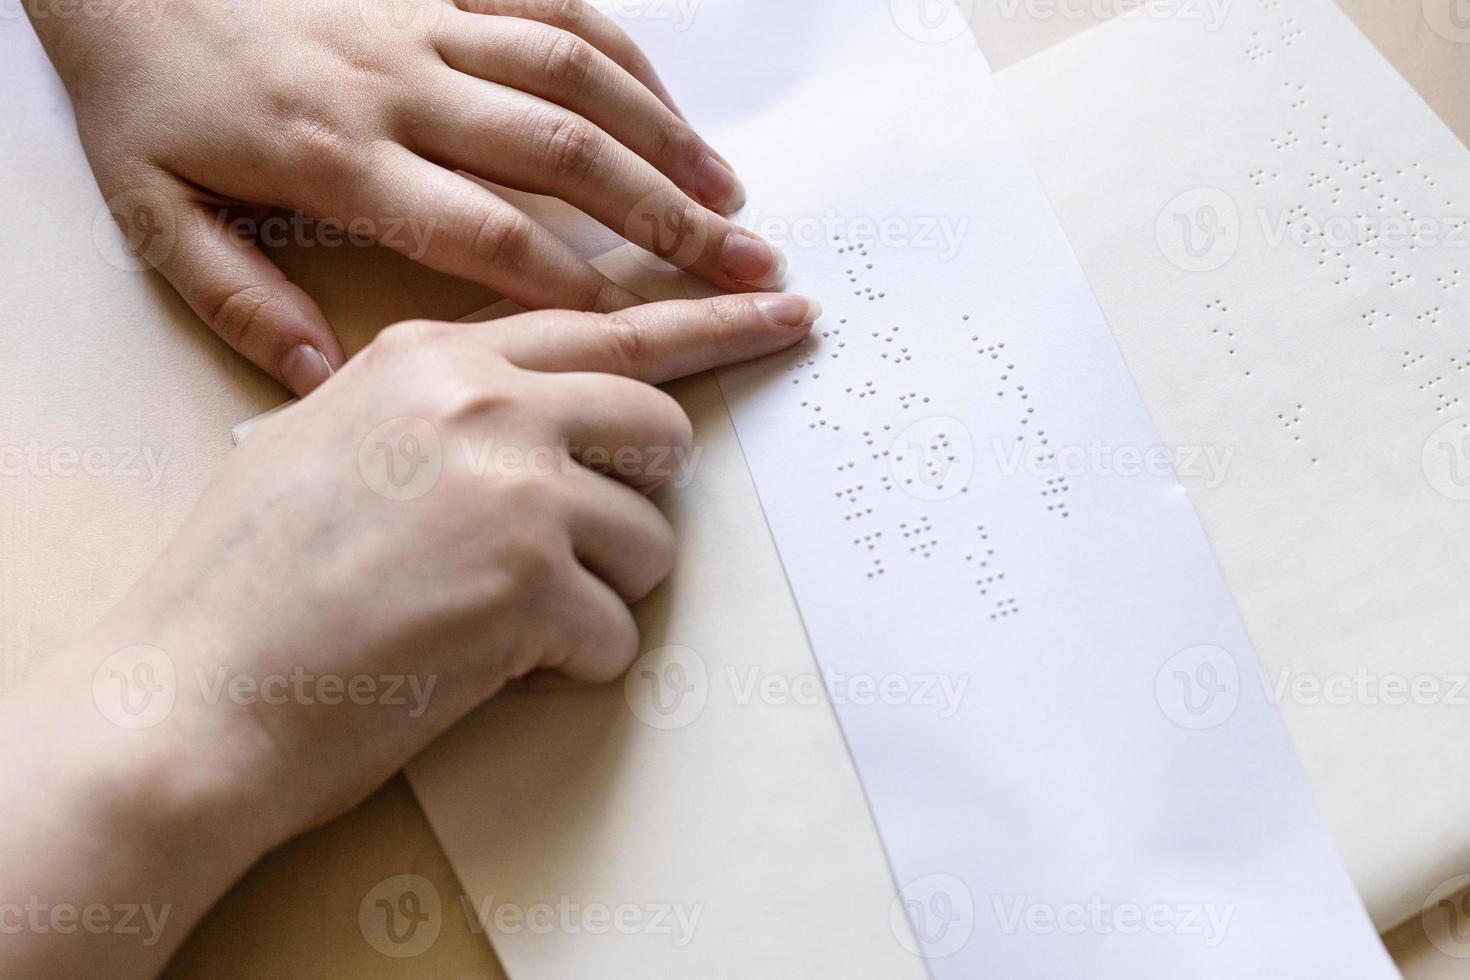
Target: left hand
[[361, 112]]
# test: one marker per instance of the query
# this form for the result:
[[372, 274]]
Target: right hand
[[462, 502], [220, 709]]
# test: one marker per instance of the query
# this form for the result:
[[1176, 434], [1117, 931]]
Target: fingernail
[[789, 309], [753, 261], [717, 186], [304, 369]]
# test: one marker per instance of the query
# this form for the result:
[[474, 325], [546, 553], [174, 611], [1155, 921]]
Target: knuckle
[[463, 401], [408, 335], [235, 313], [682, 235], [628, 339], [677, 143], [445, 379], [568, 14], [730, 318], [603, 296], [570, 148], [606, 644], [531, 561], [654, 549], [638, 64], [322, 149], [567, 62], [503, 239], [729, 313]]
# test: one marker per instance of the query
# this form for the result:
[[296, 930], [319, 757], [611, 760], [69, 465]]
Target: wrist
[[127, 806], [118, 727]]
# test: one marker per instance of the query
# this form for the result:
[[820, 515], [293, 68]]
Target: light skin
[[491, 574], [457, 508], [361, 112]]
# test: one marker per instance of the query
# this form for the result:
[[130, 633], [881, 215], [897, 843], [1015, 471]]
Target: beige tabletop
[[103, 353]]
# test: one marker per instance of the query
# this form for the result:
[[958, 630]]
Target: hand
[[359, 112], [462, 502], [459, 507]]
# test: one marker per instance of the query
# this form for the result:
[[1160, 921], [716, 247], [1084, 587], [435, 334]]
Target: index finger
[[660, 341]]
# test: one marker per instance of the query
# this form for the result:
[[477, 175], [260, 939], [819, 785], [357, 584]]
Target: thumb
[[241, 294]]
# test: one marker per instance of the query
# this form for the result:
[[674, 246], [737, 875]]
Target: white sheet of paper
[[1330, 373], [1097, 794]]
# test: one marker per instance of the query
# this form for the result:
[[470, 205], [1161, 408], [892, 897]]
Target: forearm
[[123, 824]]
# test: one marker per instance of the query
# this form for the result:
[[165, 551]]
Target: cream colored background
[[98, 355]]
